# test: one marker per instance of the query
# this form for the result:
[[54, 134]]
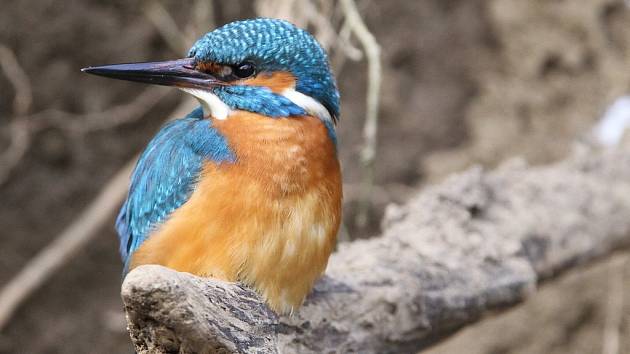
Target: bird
[[247, 187]]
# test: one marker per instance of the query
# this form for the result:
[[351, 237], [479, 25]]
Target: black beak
[[179, 73]]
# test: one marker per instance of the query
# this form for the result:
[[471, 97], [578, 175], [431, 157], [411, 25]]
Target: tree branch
[[72, 239], [370, 128], [476, 243]]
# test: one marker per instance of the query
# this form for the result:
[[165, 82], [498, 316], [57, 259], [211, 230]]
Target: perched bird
[[247, 187]]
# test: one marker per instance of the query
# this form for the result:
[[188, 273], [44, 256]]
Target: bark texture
[[480, 241]]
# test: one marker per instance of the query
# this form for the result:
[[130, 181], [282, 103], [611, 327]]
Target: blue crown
[[273, 45]]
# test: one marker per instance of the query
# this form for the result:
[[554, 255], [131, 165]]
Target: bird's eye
[[244, 70]]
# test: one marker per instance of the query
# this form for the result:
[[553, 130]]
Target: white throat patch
[[214, 107], [211, 104], [309, 104]]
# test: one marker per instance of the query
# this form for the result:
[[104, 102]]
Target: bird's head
[[265, 66]]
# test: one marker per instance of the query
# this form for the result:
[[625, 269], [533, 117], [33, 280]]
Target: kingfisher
[[247, 187]]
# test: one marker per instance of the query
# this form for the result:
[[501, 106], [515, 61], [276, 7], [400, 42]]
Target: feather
[[165, 176]]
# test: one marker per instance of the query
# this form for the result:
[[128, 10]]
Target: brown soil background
[[464, 82]]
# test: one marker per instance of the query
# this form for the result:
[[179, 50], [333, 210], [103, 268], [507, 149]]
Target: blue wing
[[165, 177]]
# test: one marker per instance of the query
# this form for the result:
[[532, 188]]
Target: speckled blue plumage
[[272, 45], [165, 176], [258, 99]]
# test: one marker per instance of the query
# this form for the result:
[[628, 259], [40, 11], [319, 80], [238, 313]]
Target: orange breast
[[269, 220]]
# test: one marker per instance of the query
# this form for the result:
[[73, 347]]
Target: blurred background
[[463, 82]]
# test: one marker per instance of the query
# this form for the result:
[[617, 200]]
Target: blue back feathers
[[273, 45], [165, 176]]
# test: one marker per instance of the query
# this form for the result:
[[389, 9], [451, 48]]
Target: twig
[[202, 14], [344, 48], [95, 121], [71, 240], [318, 14], [18, 78], [57, 253], [283, 9], [23, 126], [324, 29], [122, 114], [20, 142], [614, 308], [20, 136], [370, 129], [167, 27]]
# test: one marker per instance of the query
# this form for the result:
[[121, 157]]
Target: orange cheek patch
[[276, 82], [208, 67]]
